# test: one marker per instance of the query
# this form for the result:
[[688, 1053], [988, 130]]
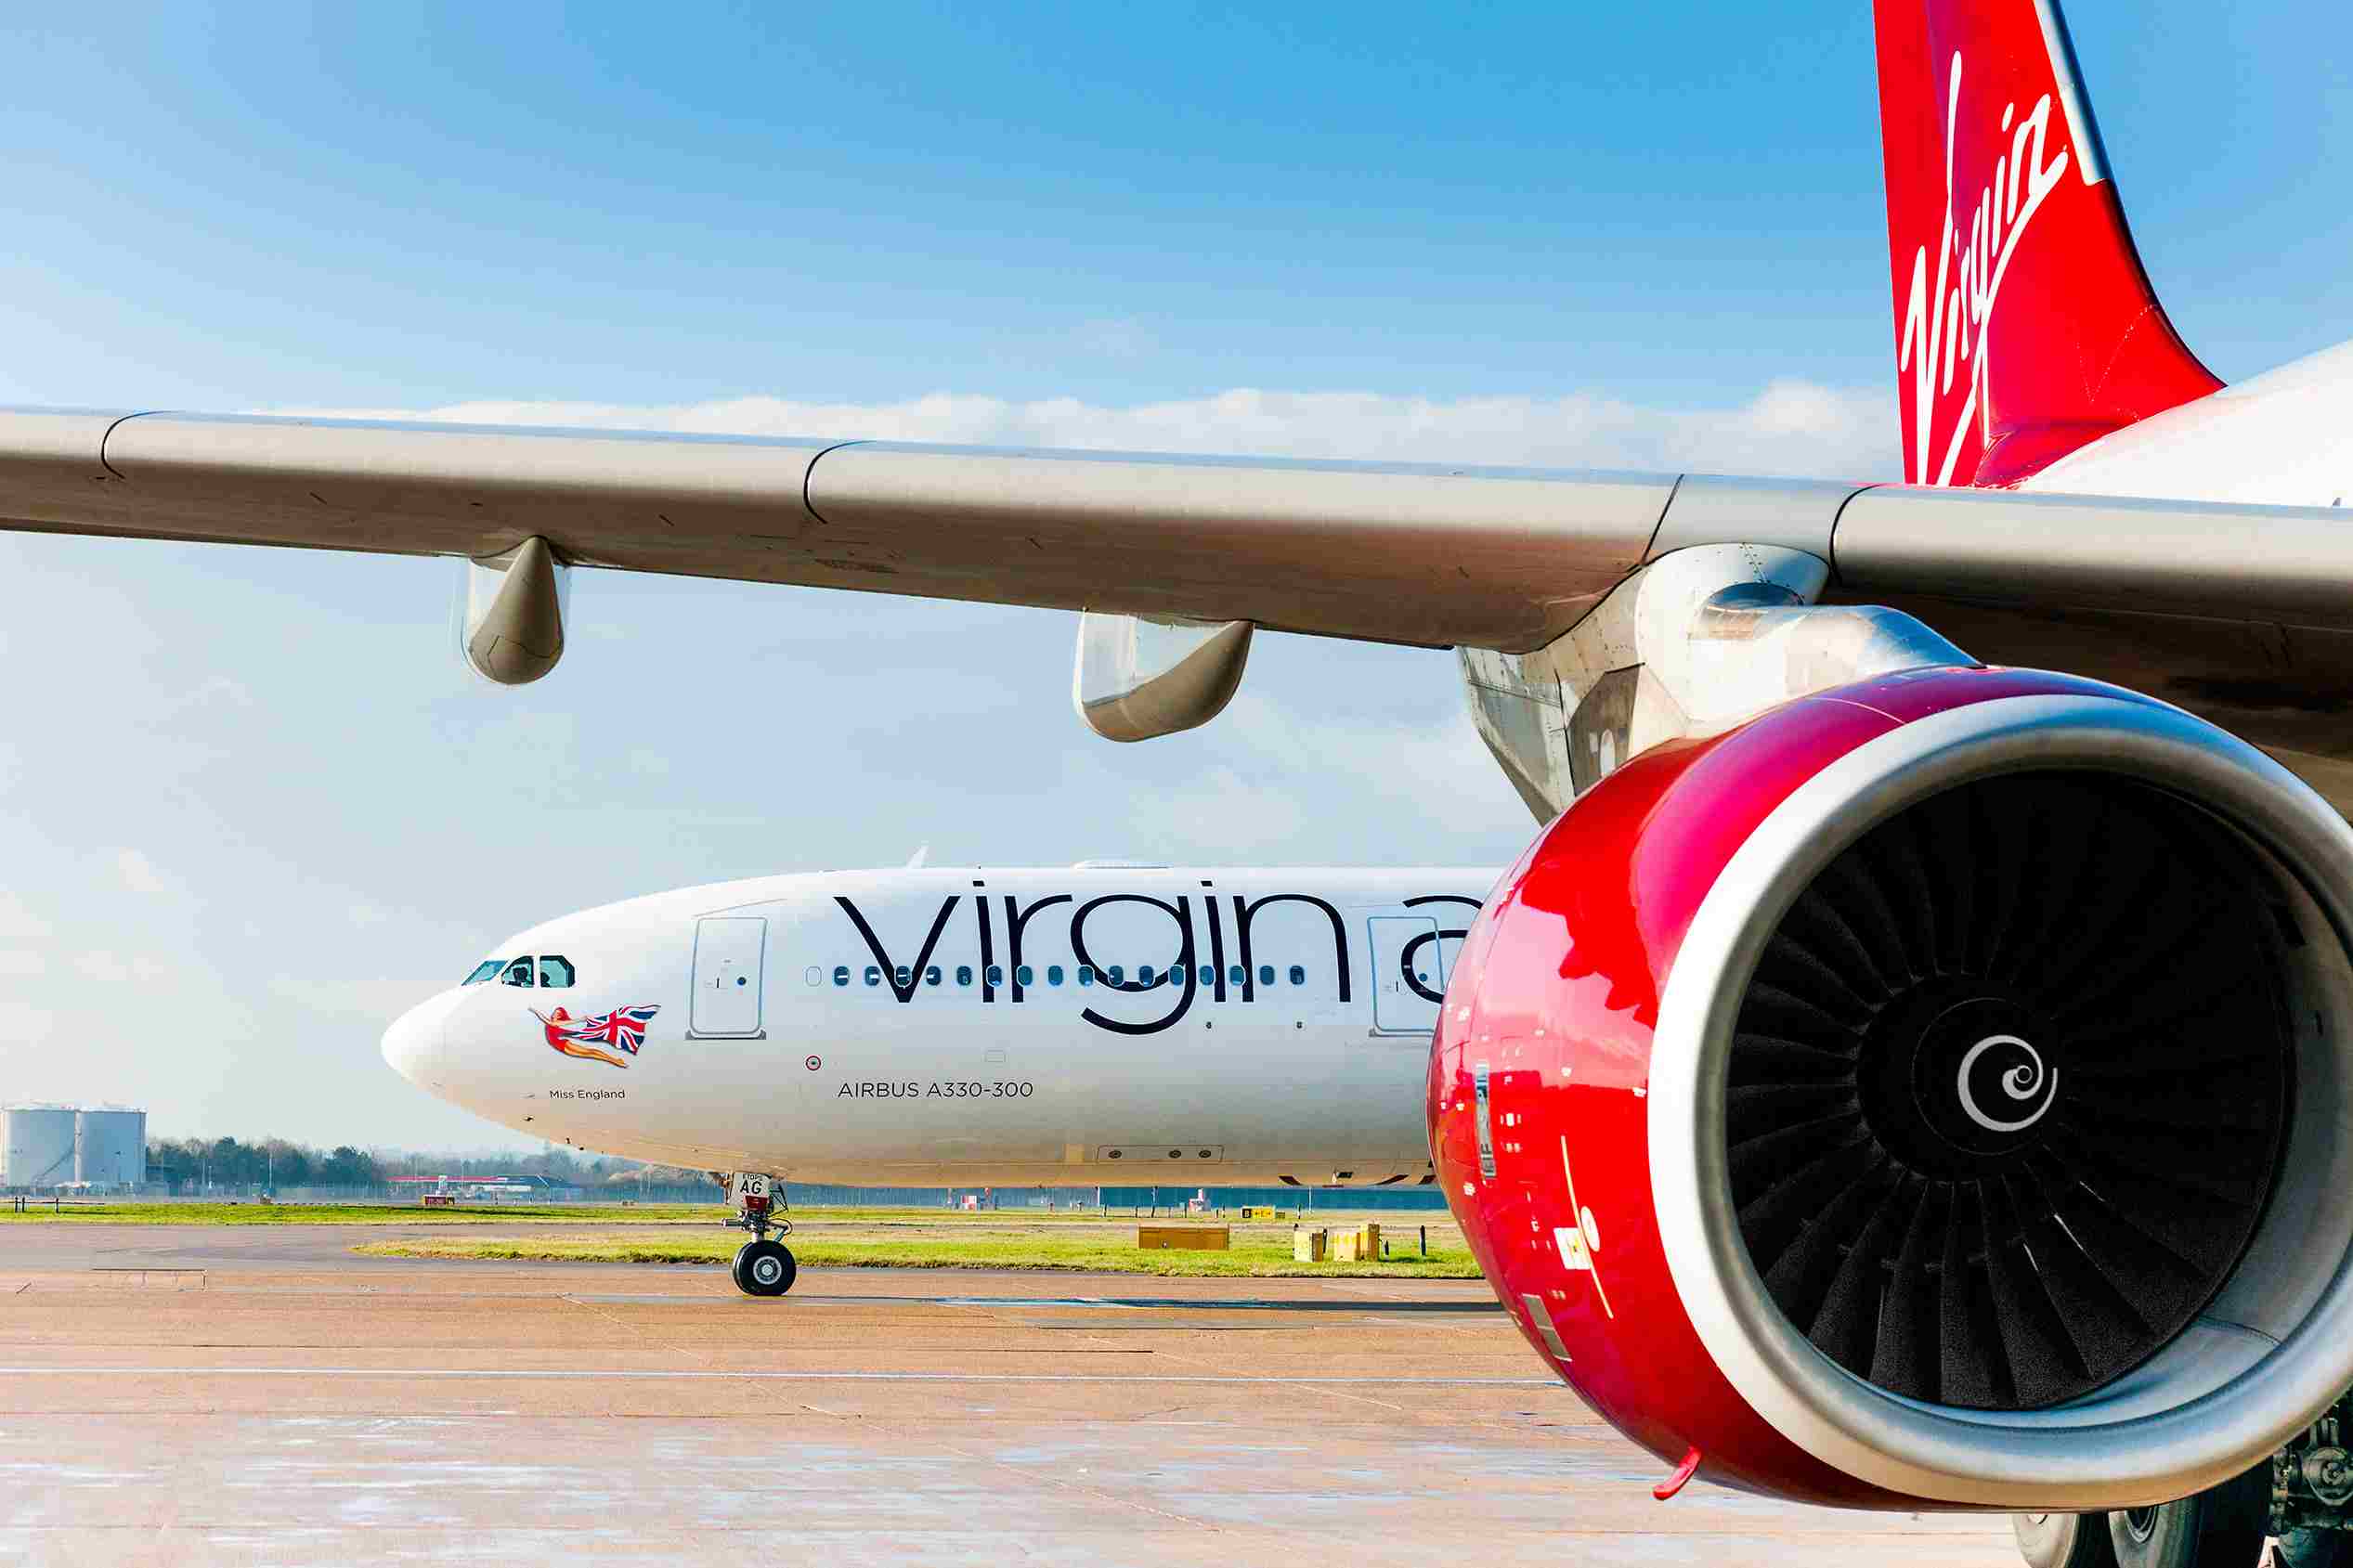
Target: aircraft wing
[[1502, 559], [1386, 551]]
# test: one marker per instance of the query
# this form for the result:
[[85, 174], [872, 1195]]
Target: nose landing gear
[[761, 1267]]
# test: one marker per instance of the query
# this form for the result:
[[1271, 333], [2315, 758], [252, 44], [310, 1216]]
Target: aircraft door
[[1409, 974], [728, 953]]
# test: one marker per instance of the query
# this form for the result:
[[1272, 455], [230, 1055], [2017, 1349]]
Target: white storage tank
[[109, 1146], [40, 1141]]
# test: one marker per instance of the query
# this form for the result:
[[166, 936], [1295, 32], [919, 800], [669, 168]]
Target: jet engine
[[1934, 1093]]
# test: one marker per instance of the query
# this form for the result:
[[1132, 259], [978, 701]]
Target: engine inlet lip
[[2144, 1439]]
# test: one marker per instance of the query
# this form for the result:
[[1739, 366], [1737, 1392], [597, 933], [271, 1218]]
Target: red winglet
[[1684, 1472]]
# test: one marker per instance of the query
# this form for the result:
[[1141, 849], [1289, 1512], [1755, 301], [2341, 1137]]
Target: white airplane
[[1842, 1043], [1097, 1023]]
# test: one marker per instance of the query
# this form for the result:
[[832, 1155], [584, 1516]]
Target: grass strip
[[1248, 1257], [357, 1214]]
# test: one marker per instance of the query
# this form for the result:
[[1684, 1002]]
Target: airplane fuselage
[[1083, 1026]]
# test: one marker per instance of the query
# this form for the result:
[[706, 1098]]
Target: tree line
[[281, 1162]]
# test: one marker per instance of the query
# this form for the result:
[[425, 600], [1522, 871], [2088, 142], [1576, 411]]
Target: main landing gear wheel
[[2065, 1540], [2313, 1548], [765, 1268], [2221, 1527]]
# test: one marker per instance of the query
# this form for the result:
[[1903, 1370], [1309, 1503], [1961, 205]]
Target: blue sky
[[252, 805]]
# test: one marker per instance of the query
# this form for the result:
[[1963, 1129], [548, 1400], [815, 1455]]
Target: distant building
[[43, 1147], [109, 1146], [39, 1144]]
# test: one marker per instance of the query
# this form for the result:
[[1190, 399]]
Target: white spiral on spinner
[[2021, 1083]]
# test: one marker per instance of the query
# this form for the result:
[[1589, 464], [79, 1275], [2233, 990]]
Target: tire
[[2221, 1527], [765, 1268], [2313, 1548], [2065, 1540]]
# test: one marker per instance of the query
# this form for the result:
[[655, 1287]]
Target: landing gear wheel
[[2313, 1548], [763, 1268], [2065, 1540], [2221, 1527]]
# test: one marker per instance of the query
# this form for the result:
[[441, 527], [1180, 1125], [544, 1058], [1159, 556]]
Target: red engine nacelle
[[1934, 1092]]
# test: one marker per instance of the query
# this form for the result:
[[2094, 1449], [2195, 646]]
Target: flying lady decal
[[623, 1028]]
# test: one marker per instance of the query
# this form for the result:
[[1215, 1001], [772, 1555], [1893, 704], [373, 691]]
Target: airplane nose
[[412, 1045]]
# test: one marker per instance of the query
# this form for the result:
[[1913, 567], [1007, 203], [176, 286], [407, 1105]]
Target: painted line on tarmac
[[574, 1374]]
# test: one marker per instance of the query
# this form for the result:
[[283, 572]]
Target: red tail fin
[[2024, 325]]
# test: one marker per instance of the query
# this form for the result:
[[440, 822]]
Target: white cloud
[[17, 920], [219, 689], [1246, 822], [1789, 427], [138, 874], [108, 968]]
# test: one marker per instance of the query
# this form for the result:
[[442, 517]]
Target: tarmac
[[179, 1395]]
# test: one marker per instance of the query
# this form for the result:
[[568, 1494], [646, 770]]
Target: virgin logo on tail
[[1942, 343]]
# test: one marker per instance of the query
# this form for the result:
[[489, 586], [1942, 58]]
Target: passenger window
[[996, 974], [873, 974], [905, 979], [815, 976], [556, 970], [931, 975], [1237, 975], [1299, 976], [1021, 975], [1115, 975], [518, 973], [1208, 975], [1144, 975], [964, 973], [842, 974], [1053, 974], [1265, 974], [1086, 974], [484, 969]]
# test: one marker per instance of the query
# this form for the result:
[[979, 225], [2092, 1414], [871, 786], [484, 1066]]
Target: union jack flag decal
[[623, 1029]]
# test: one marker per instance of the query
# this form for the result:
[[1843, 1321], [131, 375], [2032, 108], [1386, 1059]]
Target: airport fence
[[1134, 1199]]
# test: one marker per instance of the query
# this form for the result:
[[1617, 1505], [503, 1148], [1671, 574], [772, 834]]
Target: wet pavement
[[176, 1395]]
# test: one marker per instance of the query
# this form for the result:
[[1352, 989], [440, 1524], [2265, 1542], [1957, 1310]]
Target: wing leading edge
[[1390, 553]]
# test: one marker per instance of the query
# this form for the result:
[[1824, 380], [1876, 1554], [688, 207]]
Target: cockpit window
[[518, 973], [554, 971], [484, 969]]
